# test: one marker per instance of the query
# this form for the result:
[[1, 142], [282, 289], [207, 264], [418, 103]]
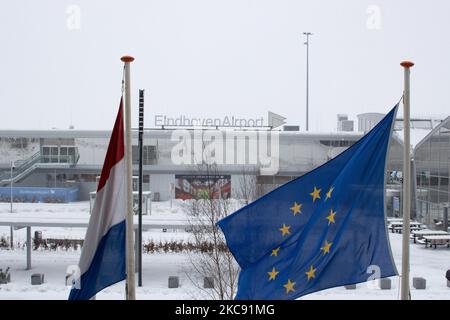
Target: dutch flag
[[102, 262]]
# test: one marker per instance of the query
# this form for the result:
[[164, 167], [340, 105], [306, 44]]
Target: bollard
[[37, 279], [350, 287], [37, 235], [385, 284], [72, 281], [174, 282], [419, 283]]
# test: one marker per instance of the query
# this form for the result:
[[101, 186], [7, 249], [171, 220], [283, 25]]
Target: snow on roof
[[416, 135], [420, 127]]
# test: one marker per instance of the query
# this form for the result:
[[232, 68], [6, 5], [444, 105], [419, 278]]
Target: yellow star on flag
[[285, 230], [310, 273], [289, 286], [272, 274], [297, 208], [275, 252], [326, 247], [330, 218], [329, 193], [315, 194]]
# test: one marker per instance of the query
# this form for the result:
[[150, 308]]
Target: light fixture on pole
[[307, 34]]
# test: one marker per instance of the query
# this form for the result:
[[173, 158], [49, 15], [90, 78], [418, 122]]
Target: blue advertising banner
[[38, 194]]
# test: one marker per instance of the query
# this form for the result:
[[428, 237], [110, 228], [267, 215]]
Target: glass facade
[[432, 162]]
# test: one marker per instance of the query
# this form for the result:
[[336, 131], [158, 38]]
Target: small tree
[[214, 260], [247, 189]]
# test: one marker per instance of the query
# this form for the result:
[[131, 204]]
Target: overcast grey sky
[[214, 58]]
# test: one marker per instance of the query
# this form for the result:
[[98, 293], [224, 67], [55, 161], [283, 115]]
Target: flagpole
[[130, 281], [406, 182]]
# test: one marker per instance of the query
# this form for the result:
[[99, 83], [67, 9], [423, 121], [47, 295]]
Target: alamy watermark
[[258, 148], [73, 276], [373, 21], [375, 275], [73, 20]]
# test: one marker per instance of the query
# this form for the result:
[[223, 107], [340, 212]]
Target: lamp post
[[11, 208], [11, 180], [307, 34]]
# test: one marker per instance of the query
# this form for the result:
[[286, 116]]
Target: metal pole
[[130, 281], [11, 237], [136, 251], [141, 143], [28, 248], [11, 195], [406, 183], [413, 189], [11, 231], [307, 78], [445, 222]]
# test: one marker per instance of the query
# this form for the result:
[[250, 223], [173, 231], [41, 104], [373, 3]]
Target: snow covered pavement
[[425, 262]]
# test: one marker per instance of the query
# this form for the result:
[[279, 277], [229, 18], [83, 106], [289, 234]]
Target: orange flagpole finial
[[127, 59], [407, 64]]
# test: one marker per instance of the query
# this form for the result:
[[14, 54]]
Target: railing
[[31, 163], [70, 159], [22, 168]]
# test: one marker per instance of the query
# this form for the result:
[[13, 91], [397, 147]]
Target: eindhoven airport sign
[[273, 121], [193, 147], [184, 121]]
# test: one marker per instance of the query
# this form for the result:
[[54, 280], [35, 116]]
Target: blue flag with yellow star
[[321, 230]]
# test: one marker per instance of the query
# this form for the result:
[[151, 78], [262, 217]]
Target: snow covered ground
[[425, 262]]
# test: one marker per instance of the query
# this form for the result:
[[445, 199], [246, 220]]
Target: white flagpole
[[406, 183], [130, 281]]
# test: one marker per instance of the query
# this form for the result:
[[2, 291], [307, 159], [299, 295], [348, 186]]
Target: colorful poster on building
[[202, 186]]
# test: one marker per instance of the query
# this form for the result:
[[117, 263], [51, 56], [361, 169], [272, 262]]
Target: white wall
[[8, 154], [161, 183], [91, 151]]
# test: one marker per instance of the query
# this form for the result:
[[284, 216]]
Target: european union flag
[[321, 230]]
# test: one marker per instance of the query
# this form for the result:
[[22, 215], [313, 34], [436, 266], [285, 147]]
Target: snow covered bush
[[3, 243]]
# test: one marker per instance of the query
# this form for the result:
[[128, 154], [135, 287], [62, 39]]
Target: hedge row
[[151, 246]]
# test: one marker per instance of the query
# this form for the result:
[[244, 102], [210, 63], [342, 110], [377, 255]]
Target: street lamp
[[307, 34], [11, 209]]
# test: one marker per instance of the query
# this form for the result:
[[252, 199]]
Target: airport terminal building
[[59, 158], [71, 160], [432, 165]]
